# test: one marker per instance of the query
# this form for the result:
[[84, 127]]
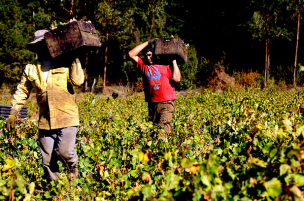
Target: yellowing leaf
[[253, 182], [299, 179], [205, 180], [296, 191], [172, 181], [194, 168], [101, 171], [146, 177], [146, 158], [287, 125], [31, 187], [301, 68], [258, 162], [273, 187], [168, 155], [185, 162], [10, 162], [106, 174], [302, 153], [284, 169], [27, 197], [141, 156]]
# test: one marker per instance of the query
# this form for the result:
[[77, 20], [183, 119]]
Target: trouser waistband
[[164, 102]]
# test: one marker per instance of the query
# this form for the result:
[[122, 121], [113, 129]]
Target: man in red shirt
[[159, 83]]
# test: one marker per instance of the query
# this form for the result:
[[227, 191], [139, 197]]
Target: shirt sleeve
[[76, 73], [169, 72], [21, 95], [140, 64]]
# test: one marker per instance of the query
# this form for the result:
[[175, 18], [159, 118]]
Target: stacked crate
[[70, 37], [168, 49]]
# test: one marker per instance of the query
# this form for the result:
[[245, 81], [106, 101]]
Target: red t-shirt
[[157, 82]]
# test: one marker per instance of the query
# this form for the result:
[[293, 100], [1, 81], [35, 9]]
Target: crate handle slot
[[167, 39]]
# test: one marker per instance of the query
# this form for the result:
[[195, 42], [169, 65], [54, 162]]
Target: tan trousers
[[161, 113]]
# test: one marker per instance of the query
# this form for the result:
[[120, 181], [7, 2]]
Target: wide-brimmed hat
[[38, 36]]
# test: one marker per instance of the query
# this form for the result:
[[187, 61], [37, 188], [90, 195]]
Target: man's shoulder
[[32, 64], [30, 67], [140, 60], [165, 65]]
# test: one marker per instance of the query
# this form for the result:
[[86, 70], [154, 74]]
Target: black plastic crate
[[6, 109]]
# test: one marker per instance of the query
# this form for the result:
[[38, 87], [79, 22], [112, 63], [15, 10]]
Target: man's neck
[[45, 65]]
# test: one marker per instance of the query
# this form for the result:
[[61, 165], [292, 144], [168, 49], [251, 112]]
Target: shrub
[[248, 79], [189, 70], [219, 80]]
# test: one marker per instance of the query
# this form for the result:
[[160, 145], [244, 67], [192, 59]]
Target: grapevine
[[235, 145]]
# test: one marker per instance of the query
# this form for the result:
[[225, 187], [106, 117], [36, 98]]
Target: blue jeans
[[57, 144]]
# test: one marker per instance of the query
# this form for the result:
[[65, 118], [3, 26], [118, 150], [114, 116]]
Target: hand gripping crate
[[6, 109], [70, 37], [168, 49]]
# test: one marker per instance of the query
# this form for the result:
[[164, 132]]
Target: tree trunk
[[153, 19], [86, 64], [136, 35], [106, 63], [94, 82], [71, 9], [266, 63], [296, 54], [34, 15], [268, 60], [86, 81]]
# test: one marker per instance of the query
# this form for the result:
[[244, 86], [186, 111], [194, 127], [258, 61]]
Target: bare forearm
[[176, 75]]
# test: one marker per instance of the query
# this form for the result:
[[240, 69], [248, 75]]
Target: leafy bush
[[189, 70]]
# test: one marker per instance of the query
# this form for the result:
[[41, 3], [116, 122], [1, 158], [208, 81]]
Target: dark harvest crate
[[70, 37], [171, 48], [5, 111]]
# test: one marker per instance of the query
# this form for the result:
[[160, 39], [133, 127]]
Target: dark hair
[[149, 48]]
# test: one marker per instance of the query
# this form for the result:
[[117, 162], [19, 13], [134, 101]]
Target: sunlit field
[[236, 145]]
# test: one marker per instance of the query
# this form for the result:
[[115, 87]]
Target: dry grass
[[247, 79], [218, 80], [4, 92]]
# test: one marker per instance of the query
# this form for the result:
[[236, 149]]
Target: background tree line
[[263, 36]]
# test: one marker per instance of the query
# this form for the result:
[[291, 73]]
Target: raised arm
[[133, 54], [136, 50], [176, 75]]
